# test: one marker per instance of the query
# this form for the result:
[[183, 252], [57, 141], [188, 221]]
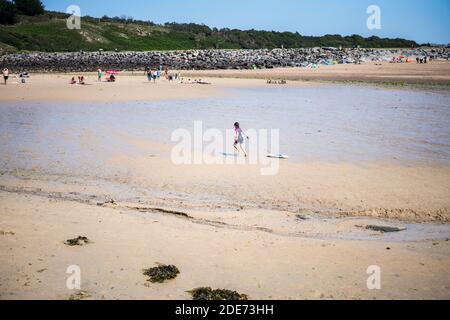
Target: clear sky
[[420, 20]]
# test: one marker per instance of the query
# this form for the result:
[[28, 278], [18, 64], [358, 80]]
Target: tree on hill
[[7, 12], [29, 7]]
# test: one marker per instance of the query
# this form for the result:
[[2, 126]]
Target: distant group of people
[[151, 74], [80, 80], [195, 81], [23, 76], [270, 81], [111, 78], [419, 60], [400, 60], [154, 75]]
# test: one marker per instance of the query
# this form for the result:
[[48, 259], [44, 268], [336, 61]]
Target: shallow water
[[328, 123]]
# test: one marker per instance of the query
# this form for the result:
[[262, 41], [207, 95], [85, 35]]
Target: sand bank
[[56, 87], [437, 72], [135, 87]]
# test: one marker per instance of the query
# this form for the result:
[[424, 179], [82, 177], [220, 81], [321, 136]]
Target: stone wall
[[202, 59]]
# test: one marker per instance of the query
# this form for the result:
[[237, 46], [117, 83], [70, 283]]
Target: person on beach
[[5, 75], [239, 138], [149, 75], [23, 76], [73, 81], [100, 74]]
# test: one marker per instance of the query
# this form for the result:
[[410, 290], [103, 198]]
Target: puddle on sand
[[355, 229], [324, 227]]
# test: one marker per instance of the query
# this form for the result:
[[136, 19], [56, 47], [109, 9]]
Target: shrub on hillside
[[29, 7], [7, 12]]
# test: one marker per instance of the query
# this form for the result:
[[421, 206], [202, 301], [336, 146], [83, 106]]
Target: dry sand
[[252, 239], [437, 72], [134, 86], [45, 87], [263, 265]]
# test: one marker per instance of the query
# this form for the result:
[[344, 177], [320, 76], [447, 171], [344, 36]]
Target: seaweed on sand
[[111, 202], [384, 229], [80, 241], [80, 296], [216, 295], [300, 217], [161, 273]]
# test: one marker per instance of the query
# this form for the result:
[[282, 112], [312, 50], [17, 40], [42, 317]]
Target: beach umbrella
[[112, 72]]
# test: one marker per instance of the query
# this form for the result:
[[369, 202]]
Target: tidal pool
[[326, 123]]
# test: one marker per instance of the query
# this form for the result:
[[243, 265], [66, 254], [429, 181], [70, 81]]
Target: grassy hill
[[49, 33]]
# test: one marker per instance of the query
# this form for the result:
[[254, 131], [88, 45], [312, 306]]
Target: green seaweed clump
[[80, 241], [80, 296], [216, 295], [161, 273]]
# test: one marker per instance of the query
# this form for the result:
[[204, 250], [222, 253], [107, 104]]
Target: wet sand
[[60, 167]]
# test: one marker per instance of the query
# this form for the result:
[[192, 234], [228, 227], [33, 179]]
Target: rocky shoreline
[[206, 59]]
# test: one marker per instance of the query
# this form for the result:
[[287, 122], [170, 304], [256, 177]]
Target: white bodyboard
[[277, 156]]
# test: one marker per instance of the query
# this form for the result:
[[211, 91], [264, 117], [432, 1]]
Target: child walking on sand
[[239, 138]]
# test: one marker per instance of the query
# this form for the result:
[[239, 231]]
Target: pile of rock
[[204, 59]]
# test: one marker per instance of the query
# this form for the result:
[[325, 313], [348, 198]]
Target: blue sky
[[420, 20]]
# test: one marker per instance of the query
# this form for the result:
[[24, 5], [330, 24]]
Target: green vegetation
[[29, 7], [7, 12], [48, 32], [80, 241], [208, 294], [10, 8], [161, 273]]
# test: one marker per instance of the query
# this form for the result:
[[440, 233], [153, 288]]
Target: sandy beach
[[67, 151], [134, 86], [260, 264], [437, 72]]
